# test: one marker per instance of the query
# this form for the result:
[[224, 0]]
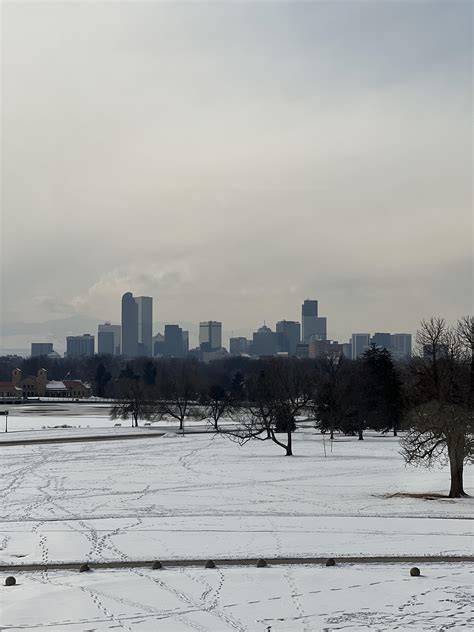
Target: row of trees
[[264, 398], [431, 398]]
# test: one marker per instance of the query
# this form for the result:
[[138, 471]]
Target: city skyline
[[98, 326], [237, 157], [236, 314], [136, 337]]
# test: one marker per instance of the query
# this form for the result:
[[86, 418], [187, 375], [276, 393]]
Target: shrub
[[261, 563], [415, 571], [209, 564], [84, 568], [10, 581], [331, 562]]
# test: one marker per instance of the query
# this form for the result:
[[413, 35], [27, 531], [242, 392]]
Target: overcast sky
[[232, 159]]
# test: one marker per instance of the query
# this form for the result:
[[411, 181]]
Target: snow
[[203, 496], [55, 386], [275, 599], [46, 416]]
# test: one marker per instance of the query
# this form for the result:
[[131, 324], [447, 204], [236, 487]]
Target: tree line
[[430, 398]]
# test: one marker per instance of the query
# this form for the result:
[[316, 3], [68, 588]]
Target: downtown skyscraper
[[210, 335], [313, 326], [137, 325]]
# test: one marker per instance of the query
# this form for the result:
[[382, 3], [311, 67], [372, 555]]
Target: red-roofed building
[[40, 386], [10, 394]]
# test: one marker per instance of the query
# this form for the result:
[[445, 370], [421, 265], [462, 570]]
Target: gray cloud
[[233, 159]]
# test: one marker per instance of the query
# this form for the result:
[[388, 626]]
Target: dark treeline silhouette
[[430, 398]]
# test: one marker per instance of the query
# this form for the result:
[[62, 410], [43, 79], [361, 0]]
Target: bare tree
[[439, 432], [177, 390], [215, 402], [465, 333], [276, 396], [431, 341], [440, 422], [133, 401]]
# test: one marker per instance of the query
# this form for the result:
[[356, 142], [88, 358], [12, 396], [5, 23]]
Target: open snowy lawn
[[45, 418], [280, 598], [204, 496]]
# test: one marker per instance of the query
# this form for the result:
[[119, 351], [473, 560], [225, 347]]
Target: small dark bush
[[84, 568], [331, 562], [261, 563], [10, 581], [156, 565], [209, 564], [415, 571]]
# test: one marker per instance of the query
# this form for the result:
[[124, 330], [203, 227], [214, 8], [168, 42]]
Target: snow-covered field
[[283, 599], [51, 419], [47, 415], [202, 496]]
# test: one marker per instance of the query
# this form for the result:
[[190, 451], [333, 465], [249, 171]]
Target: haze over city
[[232, 159]]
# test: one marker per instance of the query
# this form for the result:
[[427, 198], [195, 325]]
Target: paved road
[[12, 438], [85, 439]]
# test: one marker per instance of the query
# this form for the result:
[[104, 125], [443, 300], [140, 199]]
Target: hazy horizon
[[233, 159]]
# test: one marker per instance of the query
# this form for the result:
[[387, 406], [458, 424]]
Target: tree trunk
[[395, 431], [216, 425], [181, 424], [361, 432], [289, 451], [456, 466]]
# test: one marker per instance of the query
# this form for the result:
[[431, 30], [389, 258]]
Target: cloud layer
[[231, 159]]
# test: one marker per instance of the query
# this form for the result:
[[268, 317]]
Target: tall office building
[[137, 323], [238, 345], [289, 336], [41, 349], [158, 345], [313, 326], [185, 342], [174, 342], [145, 325], [302, 350], [382, 340], [346, 350], [264, 342], [401, 346], [325, 349], [360, 344], [109, 339], [129, 326], [80, 346], [210, 335], [105, 343]]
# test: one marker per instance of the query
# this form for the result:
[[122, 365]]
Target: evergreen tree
[[149, 373], [383, 391], [102, 378]]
